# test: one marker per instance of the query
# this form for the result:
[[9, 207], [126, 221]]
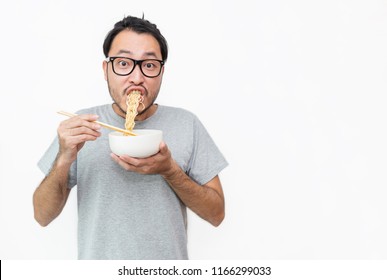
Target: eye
[[122, 63], [149, 65]]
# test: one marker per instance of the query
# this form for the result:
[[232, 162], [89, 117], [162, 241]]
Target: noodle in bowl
[[145, 144]]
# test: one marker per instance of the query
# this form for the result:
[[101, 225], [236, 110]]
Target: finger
[[83, 130], [73, 141], [120, 162], [114, 156], [89, 117], [68, 134], [131, 160], [81, 120], [78, 122], [163, 146], [164, 150]]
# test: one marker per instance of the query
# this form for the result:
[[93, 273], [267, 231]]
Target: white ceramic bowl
[[145, 144]]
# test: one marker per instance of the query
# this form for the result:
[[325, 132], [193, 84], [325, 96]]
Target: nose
[[136, 77]]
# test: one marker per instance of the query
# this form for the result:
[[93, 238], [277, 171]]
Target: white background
[[293, 93]]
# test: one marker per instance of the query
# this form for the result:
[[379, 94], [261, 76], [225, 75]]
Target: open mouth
[[137, 92]]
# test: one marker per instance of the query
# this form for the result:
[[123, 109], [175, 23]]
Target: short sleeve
[[206, 160]]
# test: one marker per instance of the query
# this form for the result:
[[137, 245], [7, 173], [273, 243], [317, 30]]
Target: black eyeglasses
[[123, 66]]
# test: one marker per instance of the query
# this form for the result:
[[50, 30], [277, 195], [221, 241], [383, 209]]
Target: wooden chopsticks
[[101, 124]]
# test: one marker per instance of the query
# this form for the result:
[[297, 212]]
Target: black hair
[[140, 26]]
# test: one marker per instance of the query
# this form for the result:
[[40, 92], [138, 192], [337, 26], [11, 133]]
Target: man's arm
[[206, 200], [51, 195]]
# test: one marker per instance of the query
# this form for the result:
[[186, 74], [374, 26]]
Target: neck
[[118, 110]]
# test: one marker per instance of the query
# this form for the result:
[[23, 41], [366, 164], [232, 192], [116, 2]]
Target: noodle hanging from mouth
[[132, 101]]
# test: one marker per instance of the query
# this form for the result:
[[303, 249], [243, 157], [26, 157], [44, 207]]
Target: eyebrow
[[146, 54], [124, 51]]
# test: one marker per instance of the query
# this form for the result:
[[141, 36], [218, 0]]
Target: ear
[[105, 69]]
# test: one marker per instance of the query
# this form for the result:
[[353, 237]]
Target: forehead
[[138, 46]]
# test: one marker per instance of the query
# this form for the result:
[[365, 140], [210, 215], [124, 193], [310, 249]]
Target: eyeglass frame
[[136, 62]]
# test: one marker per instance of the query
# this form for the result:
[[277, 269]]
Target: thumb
[[163, 147]]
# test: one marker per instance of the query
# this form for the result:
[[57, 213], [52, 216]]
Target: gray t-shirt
[[126, 215]]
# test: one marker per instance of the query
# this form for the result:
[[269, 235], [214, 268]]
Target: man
[[132, 208]]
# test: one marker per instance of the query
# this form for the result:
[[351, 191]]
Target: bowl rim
[[152, 132]]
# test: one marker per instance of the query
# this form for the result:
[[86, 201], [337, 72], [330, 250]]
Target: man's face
[[136, 46]]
